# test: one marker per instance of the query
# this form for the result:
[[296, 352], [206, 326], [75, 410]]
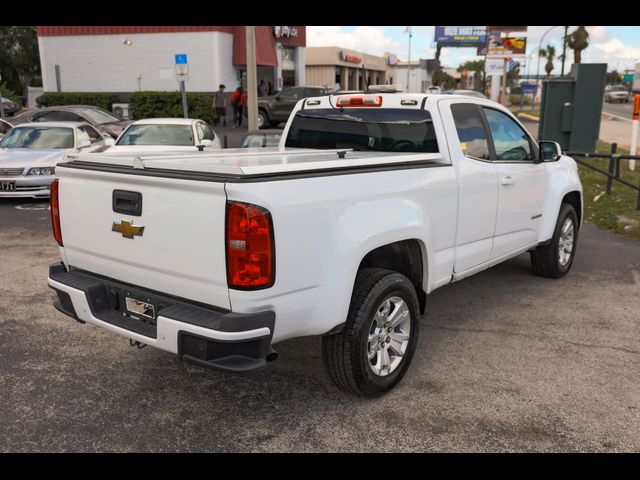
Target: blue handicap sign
[[181, 58], [528, 88]]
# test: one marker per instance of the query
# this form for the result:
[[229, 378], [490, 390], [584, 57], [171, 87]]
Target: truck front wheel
[[373, 351], [554, 259]]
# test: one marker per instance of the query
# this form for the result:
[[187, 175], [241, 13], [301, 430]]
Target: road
[[506, 361], [622, 110]]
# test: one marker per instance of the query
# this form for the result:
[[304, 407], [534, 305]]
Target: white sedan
[[29, 154], [164, 135]]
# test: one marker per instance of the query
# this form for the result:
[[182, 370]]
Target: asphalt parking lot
[[506, 362]]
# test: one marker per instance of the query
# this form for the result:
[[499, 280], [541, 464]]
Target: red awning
[[265, 47]]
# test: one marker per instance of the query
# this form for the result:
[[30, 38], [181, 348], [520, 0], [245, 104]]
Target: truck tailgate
[[181, 249]]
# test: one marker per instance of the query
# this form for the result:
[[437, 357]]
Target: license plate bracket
[[139, 308]]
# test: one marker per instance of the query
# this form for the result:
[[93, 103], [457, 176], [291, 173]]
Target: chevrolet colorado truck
[[369, 203]]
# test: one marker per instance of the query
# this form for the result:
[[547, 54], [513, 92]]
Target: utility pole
[[564, 49], [1, 105], [252, 84], [409, 62]]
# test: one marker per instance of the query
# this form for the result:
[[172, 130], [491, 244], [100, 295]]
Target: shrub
[[7, 93], [102, 100], [151, 104], [515, 99]]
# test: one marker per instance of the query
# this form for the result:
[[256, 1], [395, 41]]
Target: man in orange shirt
[[238, 101]]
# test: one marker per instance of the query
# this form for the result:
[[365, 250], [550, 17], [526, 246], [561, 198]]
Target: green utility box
[[571, 107]]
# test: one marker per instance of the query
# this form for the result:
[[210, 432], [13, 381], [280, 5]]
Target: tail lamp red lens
[[250, 247], [55, 212], [360, 101]]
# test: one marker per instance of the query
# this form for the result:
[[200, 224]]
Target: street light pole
[[564, 48]]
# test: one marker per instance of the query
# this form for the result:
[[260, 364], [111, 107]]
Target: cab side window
[[205, 132], [471, 131], [94, 136], [511, 142]]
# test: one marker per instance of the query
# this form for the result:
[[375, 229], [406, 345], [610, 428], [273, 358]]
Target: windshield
[[382, 130], [98, 116], [38, 137], [181, 135]]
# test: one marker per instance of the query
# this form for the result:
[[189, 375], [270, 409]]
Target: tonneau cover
[[257, 161]]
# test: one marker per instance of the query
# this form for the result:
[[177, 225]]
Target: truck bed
[[240, 162]]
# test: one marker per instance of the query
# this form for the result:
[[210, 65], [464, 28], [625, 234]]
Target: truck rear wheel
[[554, 260], [373, 351]]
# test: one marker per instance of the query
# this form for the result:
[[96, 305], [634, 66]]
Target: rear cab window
[[379, 129], [471, 130]]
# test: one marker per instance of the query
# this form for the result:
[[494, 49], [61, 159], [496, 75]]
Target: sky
[[619, 47]]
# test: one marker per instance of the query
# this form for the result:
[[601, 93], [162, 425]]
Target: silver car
[[29, 154], [616, 93]]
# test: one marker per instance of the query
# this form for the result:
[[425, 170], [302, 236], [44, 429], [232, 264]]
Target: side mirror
[[84, 143], [206, 143], [278, 98], [109, 141], [550, 151]]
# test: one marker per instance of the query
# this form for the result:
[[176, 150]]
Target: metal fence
[[614, 167]]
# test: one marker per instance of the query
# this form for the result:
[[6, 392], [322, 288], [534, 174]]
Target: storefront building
[[125, 59], [341, 69]]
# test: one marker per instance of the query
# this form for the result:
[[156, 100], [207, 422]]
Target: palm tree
[[550, 54], [577, 41]]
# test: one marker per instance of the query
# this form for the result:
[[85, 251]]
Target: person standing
[[270, 89], [238, 101], [262, 88], [220, 105]]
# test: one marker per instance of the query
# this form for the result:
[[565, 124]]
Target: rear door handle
[[508, 180]]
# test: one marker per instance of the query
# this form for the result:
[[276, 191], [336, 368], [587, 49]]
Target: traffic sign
[[628, 78], [528, 87], [182, 67]]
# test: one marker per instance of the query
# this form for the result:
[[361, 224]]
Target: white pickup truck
[[371, 202]]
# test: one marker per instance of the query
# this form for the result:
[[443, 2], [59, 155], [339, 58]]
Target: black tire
[[345, 353], [263, 119], [545, 259]]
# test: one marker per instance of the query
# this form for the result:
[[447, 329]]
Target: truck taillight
[[55, 213], [250, 248]]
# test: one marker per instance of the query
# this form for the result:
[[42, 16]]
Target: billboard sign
[[461, 36], [508, 29], [494, 66], [503, 47]]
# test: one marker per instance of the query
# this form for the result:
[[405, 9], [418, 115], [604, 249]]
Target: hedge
[[102, 100], [515, 99], [169, 104]]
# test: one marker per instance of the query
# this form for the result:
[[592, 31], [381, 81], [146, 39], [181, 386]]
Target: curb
[[528, 117]]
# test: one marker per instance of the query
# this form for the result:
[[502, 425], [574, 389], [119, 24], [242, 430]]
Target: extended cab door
[[468, 142], [522, 183]]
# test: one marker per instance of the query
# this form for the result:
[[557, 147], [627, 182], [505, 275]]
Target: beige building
[[341, 69]]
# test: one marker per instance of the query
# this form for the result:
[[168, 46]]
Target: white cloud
[[371, 40]]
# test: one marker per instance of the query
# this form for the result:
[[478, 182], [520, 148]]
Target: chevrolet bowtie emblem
[[127, 229]]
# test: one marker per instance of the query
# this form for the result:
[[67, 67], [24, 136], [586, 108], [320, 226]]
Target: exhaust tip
[[272, 355]]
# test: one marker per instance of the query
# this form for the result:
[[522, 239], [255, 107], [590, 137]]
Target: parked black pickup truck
[[274, 109]]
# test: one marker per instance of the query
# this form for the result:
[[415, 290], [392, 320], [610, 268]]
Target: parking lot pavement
[[506, 361]]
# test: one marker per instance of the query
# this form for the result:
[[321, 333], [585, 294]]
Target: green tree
[[19, 51], [443, 79], [472, 65], [578, 40], [550, 54], [614, 78]]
